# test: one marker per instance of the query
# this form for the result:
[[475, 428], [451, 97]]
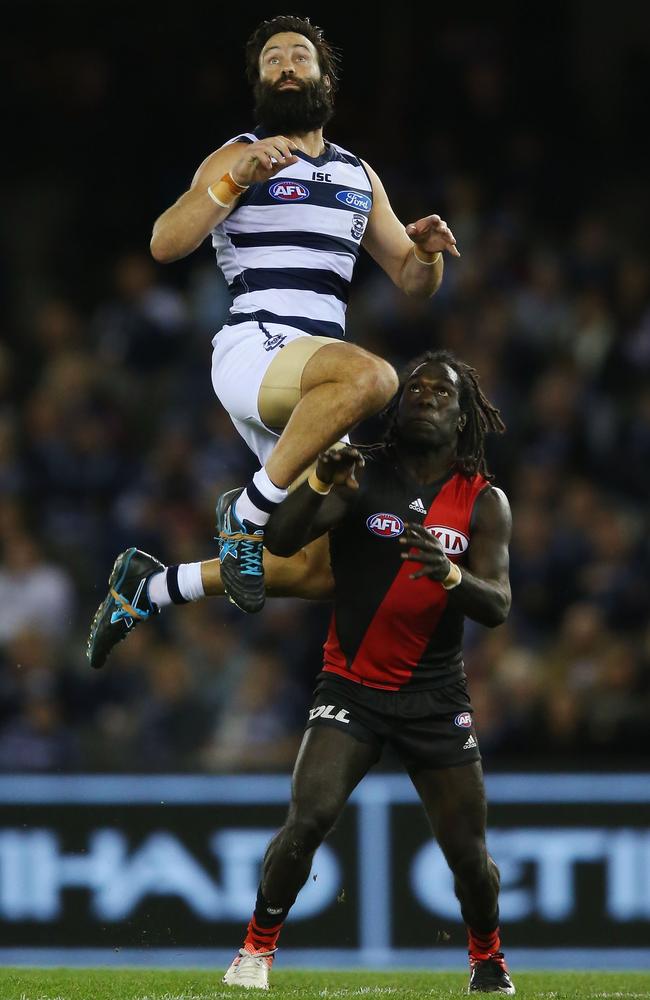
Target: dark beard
[[293, 112]]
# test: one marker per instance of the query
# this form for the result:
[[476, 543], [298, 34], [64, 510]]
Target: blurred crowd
[[110, 436]]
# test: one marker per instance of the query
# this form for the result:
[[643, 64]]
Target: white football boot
[[250, 969]]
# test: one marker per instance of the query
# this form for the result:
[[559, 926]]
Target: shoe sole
[[114, 582]]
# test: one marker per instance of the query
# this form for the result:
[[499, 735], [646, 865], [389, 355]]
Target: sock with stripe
[[176, 585], [258, 501], [482, 944], [265, 925]]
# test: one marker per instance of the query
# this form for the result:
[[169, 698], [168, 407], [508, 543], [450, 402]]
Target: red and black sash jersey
[[388, 631]]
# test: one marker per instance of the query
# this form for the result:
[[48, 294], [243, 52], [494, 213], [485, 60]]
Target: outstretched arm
[[307, 513], [483, 592], [410, 255]]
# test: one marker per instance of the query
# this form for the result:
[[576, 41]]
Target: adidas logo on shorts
[[470, 743]]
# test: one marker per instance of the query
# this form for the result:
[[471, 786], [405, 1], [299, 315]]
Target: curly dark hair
[[329, 58], [482, 416]]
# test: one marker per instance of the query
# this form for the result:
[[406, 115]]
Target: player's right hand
[[339, 466], [263, 159]]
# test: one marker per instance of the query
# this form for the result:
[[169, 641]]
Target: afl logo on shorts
[[385, 525], [453, 542], [288, 191], [463, 721]]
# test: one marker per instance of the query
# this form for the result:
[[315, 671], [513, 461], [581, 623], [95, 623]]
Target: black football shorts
[[431, 729]]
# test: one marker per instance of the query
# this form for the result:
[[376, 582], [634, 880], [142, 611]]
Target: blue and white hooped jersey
[[289, 248]]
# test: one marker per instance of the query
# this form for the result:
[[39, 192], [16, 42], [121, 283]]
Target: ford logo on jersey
[[288, 191], [360, 202], [385, 525], [464, 720], [453, 542]]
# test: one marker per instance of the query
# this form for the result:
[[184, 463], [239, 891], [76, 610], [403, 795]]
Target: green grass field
[[150, 984]]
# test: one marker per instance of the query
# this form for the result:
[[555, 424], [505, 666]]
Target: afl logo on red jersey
[[453, 542], [385, 525]]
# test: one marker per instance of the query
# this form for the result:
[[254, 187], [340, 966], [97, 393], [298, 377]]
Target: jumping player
[[288, 212], [420, 544]]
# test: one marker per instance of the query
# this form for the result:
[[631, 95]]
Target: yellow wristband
[[234, 185], [453, 578], [222, 195], [226, 191], [427, 263], [317, 485]]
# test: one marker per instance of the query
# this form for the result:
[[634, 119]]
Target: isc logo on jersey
[[360, 202], [453, 542], [288, 191], [385, 525]]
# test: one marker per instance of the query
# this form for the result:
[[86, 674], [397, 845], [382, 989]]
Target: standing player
[[422, 543], [288, 212]]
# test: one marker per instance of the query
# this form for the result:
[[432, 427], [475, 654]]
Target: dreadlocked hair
[[329, 58], [482, 416]]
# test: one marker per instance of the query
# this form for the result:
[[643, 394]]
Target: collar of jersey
[[318, 161]]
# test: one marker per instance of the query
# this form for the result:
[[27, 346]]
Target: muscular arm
[[484, 591], [305, 514], [391, 244], [184, 226]]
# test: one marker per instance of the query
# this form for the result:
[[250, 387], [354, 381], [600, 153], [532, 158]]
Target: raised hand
[[429, 552], [263, 159], [432, 234], [339, 466]]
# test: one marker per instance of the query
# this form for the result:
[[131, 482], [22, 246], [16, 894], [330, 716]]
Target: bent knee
[[304, 834], [377, 381]]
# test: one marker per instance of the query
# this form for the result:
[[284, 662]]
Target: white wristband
[[217, 201], [427, 263]]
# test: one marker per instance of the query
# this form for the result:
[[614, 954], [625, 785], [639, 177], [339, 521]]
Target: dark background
[[523, 127]]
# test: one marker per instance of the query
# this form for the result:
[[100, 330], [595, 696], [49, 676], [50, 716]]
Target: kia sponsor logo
[[464, 720], [453, 542], [385, 525], [288, 191], [360, 202]]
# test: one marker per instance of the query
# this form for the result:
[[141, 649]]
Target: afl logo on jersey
[[385, 525], [359, 202], [453, 542], [464, 720], [288, 191]]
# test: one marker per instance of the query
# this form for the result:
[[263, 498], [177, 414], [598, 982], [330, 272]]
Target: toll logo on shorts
[[327, 712], [464, 720], [453, 542], [385, 525], [288, 191]]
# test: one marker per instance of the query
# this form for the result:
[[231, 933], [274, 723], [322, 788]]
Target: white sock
[[176, 585], [259, 499]]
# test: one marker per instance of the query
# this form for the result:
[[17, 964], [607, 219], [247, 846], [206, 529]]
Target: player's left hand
[[340, 466], [432, 234], [429, 552]]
